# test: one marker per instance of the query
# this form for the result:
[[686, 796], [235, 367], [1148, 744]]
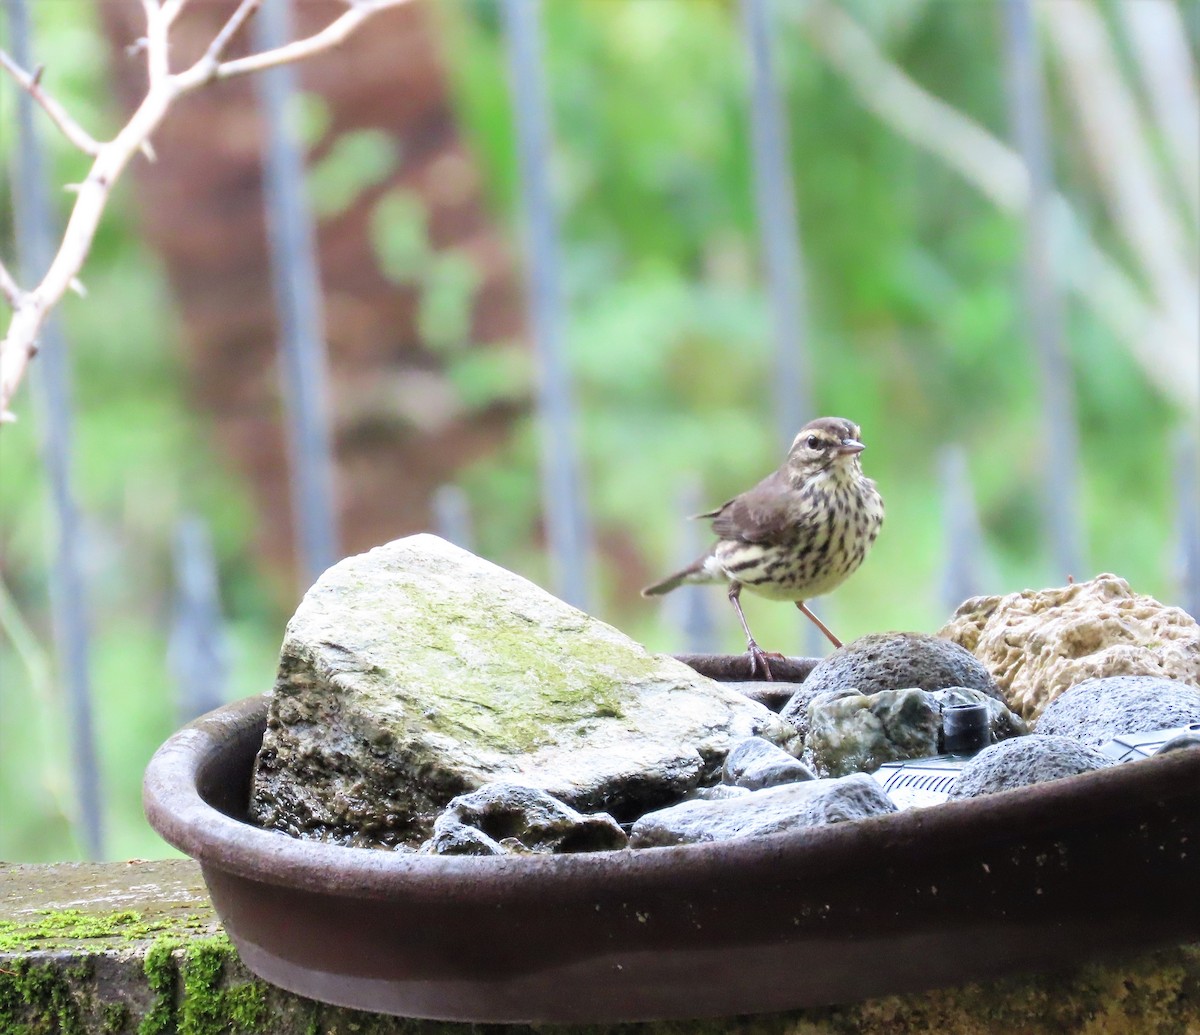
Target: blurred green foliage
[[916, 328]]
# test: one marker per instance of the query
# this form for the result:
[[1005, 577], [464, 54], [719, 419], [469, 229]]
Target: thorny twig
[[30, 308], [70, 129], [8, 286]]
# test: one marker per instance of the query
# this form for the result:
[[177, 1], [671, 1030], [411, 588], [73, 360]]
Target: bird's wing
[[758, 515]]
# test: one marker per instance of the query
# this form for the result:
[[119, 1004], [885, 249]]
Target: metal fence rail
[[1059, 441], [567, 532], [297, 280], [37, 233]]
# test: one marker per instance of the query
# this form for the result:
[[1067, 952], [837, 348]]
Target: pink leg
[[758, 656], [819, 624]]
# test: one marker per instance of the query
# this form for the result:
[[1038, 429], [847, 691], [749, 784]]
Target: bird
[[798, 534]]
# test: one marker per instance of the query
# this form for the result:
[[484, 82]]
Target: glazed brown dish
[[1031, 880]]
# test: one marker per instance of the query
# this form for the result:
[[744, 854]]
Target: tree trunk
[[399, 427]]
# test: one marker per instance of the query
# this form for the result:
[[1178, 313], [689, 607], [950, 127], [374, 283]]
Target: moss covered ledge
[[135, 949]]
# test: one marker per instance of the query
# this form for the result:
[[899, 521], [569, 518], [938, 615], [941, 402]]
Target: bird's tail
[[692, 573]]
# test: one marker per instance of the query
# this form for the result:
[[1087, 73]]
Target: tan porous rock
[[1038, 643]]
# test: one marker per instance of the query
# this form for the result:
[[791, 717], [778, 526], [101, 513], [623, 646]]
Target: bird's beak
[[849, 447]]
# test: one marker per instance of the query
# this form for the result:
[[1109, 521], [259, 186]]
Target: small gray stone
[[891, 661], [857, 733], [717, 792], [755, 763], [503, 817], [1023, 761], [773, 810], [457, 839], [800, 705], [1096, 710]]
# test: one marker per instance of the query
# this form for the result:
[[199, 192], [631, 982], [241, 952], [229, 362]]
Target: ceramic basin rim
[[180, 814]]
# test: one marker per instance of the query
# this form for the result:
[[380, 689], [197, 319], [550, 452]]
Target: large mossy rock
[[418, 672]]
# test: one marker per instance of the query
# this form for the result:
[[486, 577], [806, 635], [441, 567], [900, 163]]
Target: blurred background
[[547, 277]]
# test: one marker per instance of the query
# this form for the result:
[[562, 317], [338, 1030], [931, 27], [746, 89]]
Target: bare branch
[[239, 18], [1115, 139], [1158, 35], [172, 9], [8, 286], [334, 33], [69, 128], [158, 61], [30, 308], [1162, 344]]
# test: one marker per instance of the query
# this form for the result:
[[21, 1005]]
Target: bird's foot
[[758, 658]]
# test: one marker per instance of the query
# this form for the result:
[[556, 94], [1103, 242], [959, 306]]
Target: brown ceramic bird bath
[[1029, 880]]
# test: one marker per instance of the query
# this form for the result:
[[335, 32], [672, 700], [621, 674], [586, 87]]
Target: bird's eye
[[813, 442]]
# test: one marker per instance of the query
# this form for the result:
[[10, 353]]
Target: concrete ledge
[[135, 949]]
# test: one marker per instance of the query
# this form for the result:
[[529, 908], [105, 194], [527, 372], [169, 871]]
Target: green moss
[[590, 676], [203, 1007], [60, 928], [209, 1009], [40, 993], [159, 969], [48, 929], [115, 1018]]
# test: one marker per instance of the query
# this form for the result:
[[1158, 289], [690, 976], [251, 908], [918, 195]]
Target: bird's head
[[830, 444]]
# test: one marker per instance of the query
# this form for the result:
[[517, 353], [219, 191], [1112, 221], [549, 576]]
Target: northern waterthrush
[[799, 533]]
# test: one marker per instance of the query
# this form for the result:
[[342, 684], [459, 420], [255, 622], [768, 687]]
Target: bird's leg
[[819, 624], [758, 656]]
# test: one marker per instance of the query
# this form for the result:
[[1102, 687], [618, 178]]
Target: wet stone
[[857, 733], [756, 763], [1023, 761], [507, 817], [892, 661], [717, 792], [1096, 710], [772, 810], [799, 707]]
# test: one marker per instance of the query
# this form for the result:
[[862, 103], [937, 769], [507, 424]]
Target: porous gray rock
[[755, 763], [892, 661], [1097, 710], [773, 810], [1023, 761], [418, 672], [1038, 643], [507, 817], [857, 733]]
